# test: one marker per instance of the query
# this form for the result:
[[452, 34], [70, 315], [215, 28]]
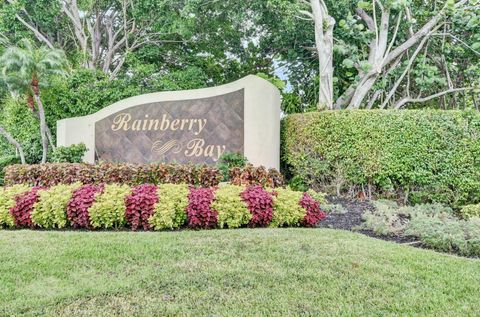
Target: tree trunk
[[13, 142], [49, 133], [324, 46], [43, 127]]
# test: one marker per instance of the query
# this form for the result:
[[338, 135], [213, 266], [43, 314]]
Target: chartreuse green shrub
[[470, 211], [286, 208], [50, 211], [7, 201], [418, 156], [232, 210], [170, 211], [108, 210]]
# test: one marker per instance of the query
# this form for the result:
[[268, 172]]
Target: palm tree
[[27, 69]]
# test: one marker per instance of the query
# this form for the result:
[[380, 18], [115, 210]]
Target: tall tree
[[26, 69]]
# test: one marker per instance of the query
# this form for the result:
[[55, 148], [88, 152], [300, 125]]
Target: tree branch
[[406, 100]]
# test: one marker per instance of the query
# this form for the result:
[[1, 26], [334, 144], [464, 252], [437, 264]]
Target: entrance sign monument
[[191, 126]]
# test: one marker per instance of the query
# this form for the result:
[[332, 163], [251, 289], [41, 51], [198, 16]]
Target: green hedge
[[420, 156]]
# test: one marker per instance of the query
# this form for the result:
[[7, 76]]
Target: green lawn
[[282, 272]]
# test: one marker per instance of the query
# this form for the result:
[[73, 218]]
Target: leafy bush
[[82, 199], [318, 196], [130, 174], [419, 156], [7, 201], [232, 210], [200, 215], [470, 211], [140, 206], [227, 161], [6, 161], [108, 210], [23, 208], [171, 209], [286, 208], [314, 212], [49, 211], [260, 204], [251, 175], [69, 154]]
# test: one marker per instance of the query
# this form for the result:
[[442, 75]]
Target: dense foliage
[[7, 201], [470, 211], [199, 211], [170, 210], [151, 207], [140, 206], [108, 211], [232, 211], [68, 154], [49, 211], [418, 156], [260, 203], [227, 161], [256, 175], [131, 174], [24, 204], [136, 174], [82, 199]]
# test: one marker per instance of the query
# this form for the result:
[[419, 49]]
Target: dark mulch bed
[[351, 219]]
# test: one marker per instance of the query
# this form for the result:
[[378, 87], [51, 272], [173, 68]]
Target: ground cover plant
[[243, 272], [433, 225], [148, 206]]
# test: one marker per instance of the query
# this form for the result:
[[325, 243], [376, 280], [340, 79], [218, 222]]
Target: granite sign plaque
[[184, 131], [190, 126]]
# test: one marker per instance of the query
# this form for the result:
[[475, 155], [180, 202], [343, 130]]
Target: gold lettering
[[136, 125], [201, 125], [183, 123], [153, 123], [209, 150], [121, 122], [195, 147], [220, 150], [165, 123], [192, 121], [144, 128], [175, 124]]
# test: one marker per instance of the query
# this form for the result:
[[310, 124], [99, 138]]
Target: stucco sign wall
[[194, 126]]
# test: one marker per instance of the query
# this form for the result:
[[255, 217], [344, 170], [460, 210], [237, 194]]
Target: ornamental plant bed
[[137, 174], [155, 207]]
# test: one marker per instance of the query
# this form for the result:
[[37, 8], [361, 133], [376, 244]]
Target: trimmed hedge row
[[132, 174], [162, 207], [418, 156]]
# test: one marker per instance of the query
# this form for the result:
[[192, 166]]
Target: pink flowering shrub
[[140, 206], [82, 199], [314, 213], [23, 208], [260, 204], [199, 212]]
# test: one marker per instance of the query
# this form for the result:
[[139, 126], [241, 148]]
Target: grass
[[282, 272]]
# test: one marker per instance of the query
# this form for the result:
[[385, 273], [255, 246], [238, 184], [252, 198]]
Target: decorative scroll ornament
[[174, 145]]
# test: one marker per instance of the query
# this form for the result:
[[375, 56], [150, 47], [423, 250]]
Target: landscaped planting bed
[[155, 207]]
